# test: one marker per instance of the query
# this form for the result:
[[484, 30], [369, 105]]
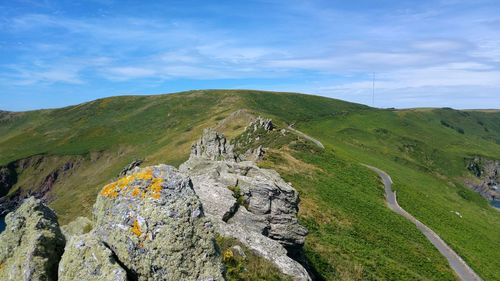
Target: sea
[[2, 223], [495, 203]]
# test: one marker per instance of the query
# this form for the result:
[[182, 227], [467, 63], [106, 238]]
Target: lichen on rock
[[86, 258], [32, 243], [161, 234]]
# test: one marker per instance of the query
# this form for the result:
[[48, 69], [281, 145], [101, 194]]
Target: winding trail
[[463, 271], [317, 142]]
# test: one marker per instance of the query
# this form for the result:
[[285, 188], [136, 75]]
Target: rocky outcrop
[[154, 223], [40, 189], [213, 146], [8, 178], [248, 203], [32, 243], [86, 258], [148, 225], [487, 173]]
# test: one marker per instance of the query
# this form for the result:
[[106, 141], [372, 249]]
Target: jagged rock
[[130, 167], [213, 145], [154, 223], [32, 243], [250, 204], [7, 179], [86, 258], [487, 173], [266, 124], [78, 226]]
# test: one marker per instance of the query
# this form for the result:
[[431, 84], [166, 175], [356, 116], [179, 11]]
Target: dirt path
[[463, 271]]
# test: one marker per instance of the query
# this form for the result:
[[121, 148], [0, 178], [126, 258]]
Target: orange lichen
[[126, 183], [135, 192], [145, 175], [109, 190], [136, 228], [156, 188]]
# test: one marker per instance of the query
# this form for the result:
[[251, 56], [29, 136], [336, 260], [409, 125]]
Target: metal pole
[[373, 90]]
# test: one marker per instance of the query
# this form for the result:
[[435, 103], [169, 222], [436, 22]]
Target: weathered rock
[[250, 204], [212, 145], [32, 243], [130, 167], [7, 179], [487, 173], [154, 223], [86, 258], [266, 124], [78, 226]]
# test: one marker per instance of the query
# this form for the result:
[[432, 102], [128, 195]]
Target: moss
[[240, 199]]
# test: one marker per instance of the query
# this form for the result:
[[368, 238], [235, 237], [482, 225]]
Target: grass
[[353, 236], [249, 267]]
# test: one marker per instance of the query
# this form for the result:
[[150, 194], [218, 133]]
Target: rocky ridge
[[159, 223], [254, 205]]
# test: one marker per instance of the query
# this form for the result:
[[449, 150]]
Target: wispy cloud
[[432, 48]]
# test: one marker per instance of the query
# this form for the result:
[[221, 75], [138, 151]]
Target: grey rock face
[[250, 204], [32, 244], [487, 173], [7, 179], [212, 145], [154, 223], [266, 124], [86, 258]]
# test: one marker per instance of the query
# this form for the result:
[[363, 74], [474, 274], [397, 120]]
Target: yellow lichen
[[124, 184], [136, 191], [125, 181], [109, 190], [145, 175], [136, 229], [156, 188]]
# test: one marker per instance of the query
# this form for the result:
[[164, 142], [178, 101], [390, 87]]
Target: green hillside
[[353, 235]]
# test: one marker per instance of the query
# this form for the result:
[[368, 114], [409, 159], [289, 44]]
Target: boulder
[[86, 258], [154, 224], [254, 205], [32, 243]]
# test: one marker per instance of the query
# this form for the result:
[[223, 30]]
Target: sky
[[442, 53]]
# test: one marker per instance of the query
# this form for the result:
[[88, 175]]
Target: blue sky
[[423, 53]]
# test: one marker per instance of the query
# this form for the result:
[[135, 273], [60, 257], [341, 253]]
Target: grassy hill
[[353, 236]]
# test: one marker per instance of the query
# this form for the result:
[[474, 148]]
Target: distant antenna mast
[[373, 90]]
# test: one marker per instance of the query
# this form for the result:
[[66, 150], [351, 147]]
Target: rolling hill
[[68, 154]]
